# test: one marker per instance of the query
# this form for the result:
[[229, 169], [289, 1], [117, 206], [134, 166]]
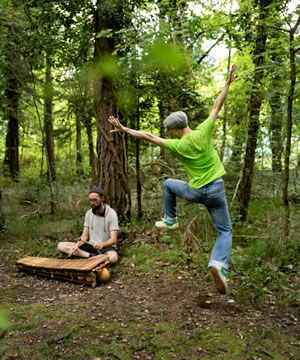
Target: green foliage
[[161, 62], [165, 57], [262, 260], [107, 66], [153, 65], [265, 274], [263, 268], [148, 258], [154, 69]]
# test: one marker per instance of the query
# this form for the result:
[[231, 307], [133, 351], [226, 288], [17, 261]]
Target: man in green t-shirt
[[195, 150]]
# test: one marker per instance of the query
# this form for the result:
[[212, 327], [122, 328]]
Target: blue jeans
[[213, 197]]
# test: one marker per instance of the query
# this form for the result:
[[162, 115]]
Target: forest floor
[[135, 316]]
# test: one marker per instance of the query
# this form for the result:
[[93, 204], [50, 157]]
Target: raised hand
[[232, 75], [118, 127]]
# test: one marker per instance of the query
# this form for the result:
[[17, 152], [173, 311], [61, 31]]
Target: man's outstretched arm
[[221, 98], [143, 135]]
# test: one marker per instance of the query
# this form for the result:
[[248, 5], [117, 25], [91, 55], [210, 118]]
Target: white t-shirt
[[101, 226]]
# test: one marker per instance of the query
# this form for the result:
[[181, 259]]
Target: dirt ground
[[127, 299]]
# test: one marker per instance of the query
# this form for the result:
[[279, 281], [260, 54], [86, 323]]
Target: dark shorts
[[93, 252]]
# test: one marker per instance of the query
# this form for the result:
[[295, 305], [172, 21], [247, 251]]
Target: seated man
[[100, 227]]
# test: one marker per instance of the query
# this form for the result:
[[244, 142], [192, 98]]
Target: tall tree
[[225, 116], [278, 54], [276, 118], [48, 119], [12, 137], [82, 107], [78, 56], [137, 157], [168, 18], [14, 78], [254, 109], [92, 159], [112, 150], [79, 165], [45, 39], [293, 50]]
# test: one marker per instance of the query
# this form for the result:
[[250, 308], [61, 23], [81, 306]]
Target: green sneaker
[[165, 224], [220, 276]]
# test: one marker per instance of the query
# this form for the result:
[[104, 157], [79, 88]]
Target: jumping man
[[195, 150]]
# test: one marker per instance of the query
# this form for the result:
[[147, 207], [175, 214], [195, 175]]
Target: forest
[[65, 68]]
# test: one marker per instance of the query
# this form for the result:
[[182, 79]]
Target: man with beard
[[100, 228]]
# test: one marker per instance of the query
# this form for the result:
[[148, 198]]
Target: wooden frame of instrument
[[84, 271]]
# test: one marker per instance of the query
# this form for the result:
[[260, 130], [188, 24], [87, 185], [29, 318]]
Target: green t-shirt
[[197, 154]]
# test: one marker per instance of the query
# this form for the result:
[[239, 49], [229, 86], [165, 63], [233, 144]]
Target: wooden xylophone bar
[[86, 271]]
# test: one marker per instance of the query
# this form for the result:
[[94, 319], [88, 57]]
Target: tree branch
[[293, 29], [200, 59], [160, 164]]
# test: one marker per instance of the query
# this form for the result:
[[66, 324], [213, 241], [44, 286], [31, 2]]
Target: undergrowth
[[263, 265]]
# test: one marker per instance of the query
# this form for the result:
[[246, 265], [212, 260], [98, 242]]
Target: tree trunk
[[254, 110], [164, 111], [276, 104], [225, 118], [289, 127], [48, 120], [224, 123], [163, 105], [276, 126], [34, 95], [48, 127], [13, 75], [92, 160], [79, 165], [11, 160], [137, 161], [234, 165], [112, 171]]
